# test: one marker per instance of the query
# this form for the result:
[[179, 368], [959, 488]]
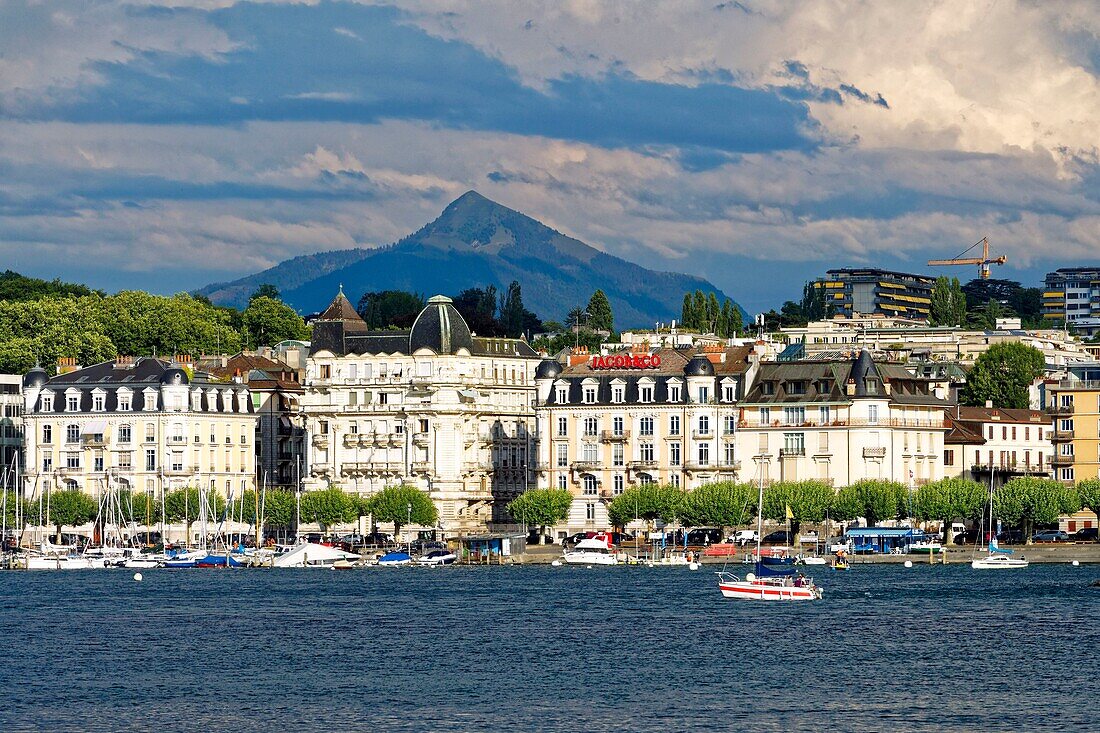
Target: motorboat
[[62, 562], [437, 557], [757, 588], [394, 559], [810, 560], [225, 560], [311, 555], [591, 551], [925, 547], [186, 559]]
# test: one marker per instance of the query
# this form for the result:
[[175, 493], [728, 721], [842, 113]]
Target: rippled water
[[540, 648]]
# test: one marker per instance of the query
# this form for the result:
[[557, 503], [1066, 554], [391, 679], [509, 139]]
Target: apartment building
[[434, 406], [1074, 404], [607, 421], [867, 291], [1072, 294], [11, 429], [144, 424], [996, 444]]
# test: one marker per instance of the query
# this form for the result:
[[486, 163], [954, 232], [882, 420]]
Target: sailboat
[[769, 582], [998, 558]]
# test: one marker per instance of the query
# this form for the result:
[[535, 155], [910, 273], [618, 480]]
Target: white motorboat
[[437, 557], [63, 562], [925, 547], [810, 560], [754, 588], [309, 555], [591, 551]]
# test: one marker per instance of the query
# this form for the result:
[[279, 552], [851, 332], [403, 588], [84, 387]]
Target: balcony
[[177, 439], [1082, 384], [1061, 460], [422, 466], [585, 466], [697, 466], [1017, 469], [590, 434], [1060, 410], [1061, 436], [372, 468], [181, 470], [702, 434], [642, 465], [611, 436], [96, 440], [320, 440], [792, 452], [874, 452]]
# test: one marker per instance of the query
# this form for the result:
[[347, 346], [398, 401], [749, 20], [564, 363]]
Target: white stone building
[[11, 429], [987, 443], [435, 406], [142, 424]]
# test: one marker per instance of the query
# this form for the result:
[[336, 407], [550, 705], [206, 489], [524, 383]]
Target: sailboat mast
[[759, 510]]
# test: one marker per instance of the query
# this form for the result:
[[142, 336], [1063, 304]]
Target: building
[[276, 399], [11, 429], [435, 406], [997, 444], [634, 417], [870, 291], [841, 421], [1074, 403], [1072, 295], [145, 424]]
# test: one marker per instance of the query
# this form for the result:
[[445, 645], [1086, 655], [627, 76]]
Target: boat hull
[[590, 558], [64, 563], [998, 562], [757, 591]]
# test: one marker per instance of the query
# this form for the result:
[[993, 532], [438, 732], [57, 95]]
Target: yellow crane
[[982, 262]]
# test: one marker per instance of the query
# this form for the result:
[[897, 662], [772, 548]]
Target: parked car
[[1050, 535], [778, 537], [968, 537], [704, 536], [1088, 534], [1011, 537], [743, 537]]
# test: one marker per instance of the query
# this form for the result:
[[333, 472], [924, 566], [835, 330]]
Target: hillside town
[[873, 392]]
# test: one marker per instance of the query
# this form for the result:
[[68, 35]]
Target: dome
[[36, 377], [548, 369], [441, 328], [699, 366], [174, 375]]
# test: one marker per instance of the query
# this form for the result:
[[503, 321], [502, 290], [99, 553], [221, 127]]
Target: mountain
[[476, 242]]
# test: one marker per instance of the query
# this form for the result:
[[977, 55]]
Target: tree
[[713, 310], [11, 502], [329, 507], [70, 508], [699, 307], [267, 321], [266, 290], [1003, 375], [403, 504], [512, 311], [478, 307], [947, 500], [1027, 501], [872, 499], [645, 501], [185, 505], [687, 313], [390, 309], [1088, 492], [541, 507], [14, 286], [576, 319], [948, 306], [600, 317], [720, 504], [815, 304], [278, 506], [808, 501]]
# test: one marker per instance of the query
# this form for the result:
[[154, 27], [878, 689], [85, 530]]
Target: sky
[[164, 145]]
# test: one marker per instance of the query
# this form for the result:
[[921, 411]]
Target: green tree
[[720, 504], [266, 290], [874, 500], [11, 506], [390, 309], [809, 501], [267, 321], [1088, 492], [512, 311], [1003, 375], [645, 501], [329, 507], [600, 317], [70, 508], [14, 286], [1026, 501], [478, 307], [713, 310], [947, 500], [184, 505], [699, 308], [403, 504], [948, 306], [541, 507], [687, 313]]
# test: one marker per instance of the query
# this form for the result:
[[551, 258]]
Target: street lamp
[[409, 510]]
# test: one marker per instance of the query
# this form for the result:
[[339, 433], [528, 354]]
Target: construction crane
[[982, 262]]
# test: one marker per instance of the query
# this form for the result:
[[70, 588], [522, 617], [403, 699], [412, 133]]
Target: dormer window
[[98, 403], [618, 394], [47, 403], [72, 403], [796, 388], [729, 392], [150, 399], [645, 393], [704, 395], [125, 402], [871, 386], [563, 395], [589, 395], [674, 393], [767, 388]]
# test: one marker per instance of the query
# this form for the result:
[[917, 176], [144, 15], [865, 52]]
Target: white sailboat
[[769, 582], [998, 558]]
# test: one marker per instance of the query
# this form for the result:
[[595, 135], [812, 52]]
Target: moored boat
[[591, 551], [437, 557], [767, 588], [394, 559]]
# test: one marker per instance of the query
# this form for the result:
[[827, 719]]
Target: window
[[704, 395], [617, 452], [674, 425], [591, 427], [1027, 433], [322, 428], [72, 433], [589, 483], [150, 460], [1065, 449], [949, 458], [326, 371], [729, 392], [124, 434], [645, 393], [47, 403], [563, 395], [645, 452], [47, 433], [47, 463], [563, 455], [617, 484], [645, 479], [589, 395], [674, 454], [124, 460], [794, 415], [590, 512], [617, 425], [794, 444], [872, 414], [98, 403], [822, 442], [72, 403], [590, 453], [991, 432], [618, 394], [729, 457], [704, 454], [177, 461], [383, 398], [423, 425], [765, 416], [563, 426], [824, 415], [1066, 425], [1014, 432], [729, 425], [72, 460], [125, 402], [97, 461], [674, 393], [563, 482], [1066, 474], [645, 426], [796, 388], [704, 425]]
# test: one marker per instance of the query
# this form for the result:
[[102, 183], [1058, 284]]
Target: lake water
[[541, 648]]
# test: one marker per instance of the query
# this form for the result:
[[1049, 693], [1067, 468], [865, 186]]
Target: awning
[[94, 427], [470, 394]]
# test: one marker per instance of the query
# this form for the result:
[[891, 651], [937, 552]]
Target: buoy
[[556, 564], [908, 563], [750, 577], [1076, 563], [137, 577], [693, 566], [589, 567]]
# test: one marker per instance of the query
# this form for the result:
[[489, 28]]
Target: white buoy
[[908, 563], [1076, 563], [137, 577], [556, 564], [693, 566], [589, 567]]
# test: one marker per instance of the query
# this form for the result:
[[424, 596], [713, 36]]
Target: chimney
[[185, 360], [66, 364], [578, 355], [851, 387], [124, 362], [886, 385], [715, 353]]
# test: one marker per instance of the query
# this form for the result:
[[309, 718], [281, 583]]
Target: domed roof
[[548, 369], [699, 366], [36, 377], [174, 375], [441, 328]]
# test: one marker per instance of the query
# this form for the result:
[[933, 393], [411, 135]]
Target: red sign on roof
[[626, 361]]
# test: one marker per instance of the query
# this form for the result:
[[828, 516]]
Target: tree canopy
[[1003, 375], [541, 507], [394, 504], [702, 312], [948, 306], [947, 500], [70, 508], [387, 309], [808, 501], [874, 500], [267, 321], [1028, 501], [14, 286], [720, 504], [329, 507], [600, 317], [184, 505], [646, 501]]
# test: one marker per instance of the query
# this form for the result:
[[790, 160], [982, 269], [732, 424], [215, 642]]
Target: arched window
[[589, 482]]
